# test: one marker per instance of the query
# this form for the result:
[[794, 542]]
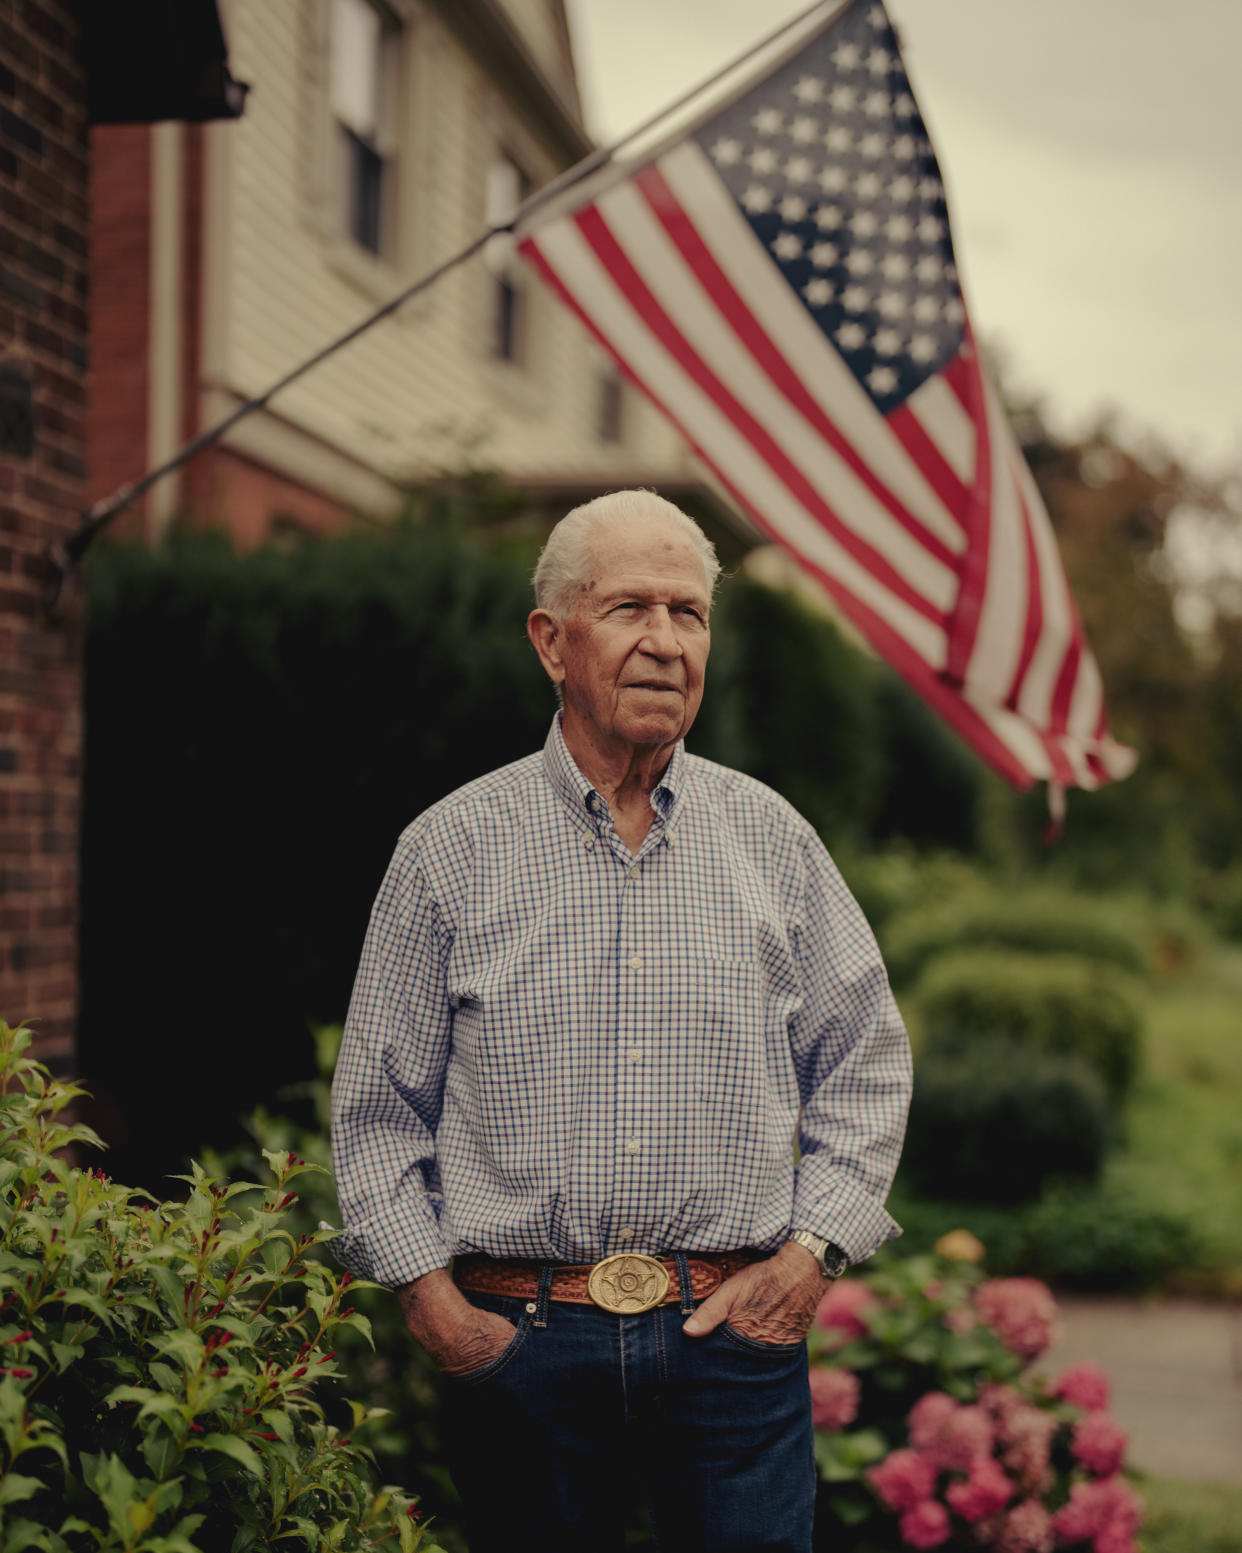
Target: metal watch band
[[832, 1260]]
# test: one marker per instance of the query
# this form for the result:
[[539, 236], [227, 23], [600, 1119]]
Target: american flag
[[780, 281]]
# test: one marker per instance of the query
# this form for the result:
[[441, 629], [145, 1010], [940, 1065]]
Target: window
[[363, 93], [609, 405], [507, 187]]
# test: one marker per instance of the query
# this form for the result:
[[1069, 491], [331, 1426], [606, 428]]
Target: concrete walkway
[[1176, 1372]]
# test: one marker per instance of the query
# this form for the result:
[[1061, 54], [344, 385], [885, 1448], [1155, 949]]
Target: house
[[379, 138]]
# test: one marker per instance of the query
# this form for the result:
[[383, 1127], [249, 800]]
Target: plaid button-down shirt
[[557, 1049]]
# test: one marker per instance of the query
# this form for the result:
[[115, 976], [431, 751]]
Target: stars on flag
[[830, 162]]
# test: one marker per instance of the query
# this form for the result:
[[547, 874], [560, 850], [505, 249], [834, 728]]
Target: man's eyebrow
[[644, 596]]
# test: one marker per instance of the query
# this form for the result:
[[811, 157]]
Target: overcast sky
[[1092, 151]]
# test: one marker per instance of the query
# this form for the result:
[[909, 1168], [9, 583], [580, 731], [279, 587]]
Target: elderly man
[[603, 990]]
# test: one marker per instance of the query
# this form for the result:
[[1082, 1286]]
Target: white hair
[[563, 568]]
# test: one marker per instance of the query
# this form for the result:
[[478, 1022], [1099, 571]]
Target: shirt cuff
[[848, 1217], [391, 1249]]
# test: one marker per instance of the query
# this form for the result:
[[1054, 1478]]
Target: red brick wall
[[252, 502], [120, 191], [43, 247]]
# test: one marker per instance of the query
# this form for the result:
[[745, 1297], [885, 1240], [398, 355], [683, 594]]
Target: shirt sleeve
[[852, 1057], [388, 1089]]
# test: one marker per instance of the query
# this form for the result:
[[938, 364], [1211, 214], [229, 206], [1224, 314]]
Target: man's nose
[[660, 639]]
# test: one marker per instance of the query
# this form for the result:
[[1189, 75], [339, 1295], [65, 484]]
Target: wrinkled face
[[632, 655]]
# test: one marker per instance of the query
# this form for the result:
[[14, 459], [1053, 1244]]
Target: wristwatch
[[832, 1260]]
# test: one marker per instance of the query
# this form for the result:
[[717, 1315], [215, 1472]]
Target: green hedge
[[997, 1125], [1057, 1004], [1039, 922], [1081, 1236]]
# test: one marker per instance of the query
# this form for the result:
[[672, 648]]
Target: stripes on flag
[[921, 521]]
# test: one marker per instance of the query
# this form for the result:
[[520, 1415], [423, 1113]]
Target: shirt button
[[633, 873], [588, 841], [626, 1232], [633, 1146], [636, 962], [635, 1054]]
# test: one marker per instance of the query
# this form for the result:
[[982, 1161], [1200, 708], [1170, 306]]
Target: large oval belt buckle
[[628, 1285]]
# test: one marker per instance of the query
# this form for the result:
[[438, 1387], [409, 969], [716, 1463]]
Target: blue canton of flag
[[830, 161]]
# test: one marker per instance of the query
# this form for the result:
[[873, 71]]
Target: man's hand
[[459, 1336], [770, 1302]]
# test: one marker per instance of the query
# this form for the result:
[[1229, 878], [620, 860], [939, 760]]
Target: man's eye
[[691, 614]]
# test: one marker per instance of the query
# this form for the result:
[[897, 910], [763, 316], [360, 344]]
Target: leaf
[[25, 1534], [89, 1300], [279, 1422], [66, 1354], [159, 1451], [849, 1509], [300, 1526], [15, 1487], [359, 1322], [230, 1445], [181, 1344]]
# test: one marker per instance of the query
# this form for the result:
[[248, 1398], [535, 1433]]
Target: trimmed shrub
[[995, 1124], [163, 1364], [1036, 923], [1054, 1004], [1082, 1236]]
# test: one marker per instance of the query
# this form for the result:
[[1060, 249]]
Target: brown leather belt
[[627, 1284]]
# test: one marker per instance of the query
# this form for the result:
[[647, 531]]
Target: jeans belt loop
[[685, 1282], [543, 1297]]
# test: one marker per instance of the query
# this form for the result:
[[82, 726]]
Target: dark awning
[[148, 60]]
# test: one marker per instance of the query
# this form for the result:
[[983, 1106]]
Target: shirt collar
[[568, 781]]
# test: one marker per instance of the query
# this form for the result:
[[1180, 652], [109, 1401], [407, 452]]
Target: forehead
[[649, 551]]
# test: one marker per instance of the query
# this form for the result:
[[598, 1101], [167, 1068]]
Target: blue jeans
[[548, 1442]]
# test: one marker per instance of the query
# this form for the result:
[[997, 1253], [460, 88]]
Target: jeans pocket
[[753, 1345], [494, 1366]]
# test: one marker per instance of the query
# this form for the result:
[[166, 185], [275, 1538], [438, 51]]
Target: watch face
[[835, 1260]]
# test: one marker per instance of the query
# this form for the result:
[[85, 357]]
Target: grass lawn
[[1191, 1517], [1183, 1149]]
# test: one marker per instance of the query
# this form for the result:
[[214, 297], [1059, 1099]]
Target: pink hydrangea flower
[[1104, 1507], [834, 1398], [1099, 1442], [960, 1319], [1084, 1385], [1002, 1402], [1113, 1539], [1027, 1528], [1028, 1433], [928, 1415], [925, 1525], [1021, 1311], [949, 1434], [903, 1479], [982, 1494], [840, 1309]]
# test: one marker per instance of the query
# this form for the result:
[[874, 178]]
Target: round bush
[[1033, 923], [995, 1124], [1056, 1004]]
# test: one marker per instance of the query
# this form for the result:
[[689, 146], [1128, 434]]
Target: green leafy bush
[[932, 1432], [1058, 1004], [161, 1390], [1032, 921], [1101, 1236], [383, 1363], [995, 1123]]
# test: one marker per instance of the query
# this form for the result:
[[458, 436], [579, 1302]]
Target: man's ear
[[545, 637]]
